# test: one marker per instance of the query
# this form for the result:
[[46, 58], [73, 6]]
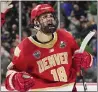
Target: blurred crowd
[[78, 17]]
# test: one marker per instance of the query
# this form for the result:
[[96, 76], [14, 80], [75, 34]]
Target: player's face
[[48, 23], [46, 19]]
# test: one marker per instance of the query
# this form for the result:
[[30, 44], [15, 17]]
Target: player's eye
[[51, 15], [45, 16]]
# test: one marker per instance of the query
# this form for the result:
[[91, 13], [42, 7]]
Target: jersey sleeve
[[75, 46], [19, 59], [12, 69], [18, 64]]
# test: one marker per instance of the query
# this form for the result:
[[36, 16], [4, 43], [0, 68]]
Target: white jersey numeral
[[59, 74]]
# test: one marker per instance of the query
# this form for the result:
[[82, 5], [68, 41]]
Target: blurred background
[[77, 17]]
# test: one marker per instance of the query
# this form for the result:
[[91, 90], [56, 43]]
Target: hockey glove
[[21, 81], [82, 60], [5, 5]]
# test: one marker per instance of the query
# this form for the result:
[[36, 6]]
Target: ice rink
[[90, 87]]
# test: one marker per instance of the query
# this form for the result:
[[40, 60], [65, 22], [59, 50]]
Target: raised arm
[[5, 6]]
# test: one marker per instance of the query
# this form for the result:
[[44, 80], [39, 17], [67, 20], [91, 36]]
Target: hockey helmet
[[41, 9]]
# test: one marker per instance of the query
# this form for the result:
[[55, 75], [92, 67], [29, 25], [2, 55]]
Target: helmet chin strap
[[37, 28]]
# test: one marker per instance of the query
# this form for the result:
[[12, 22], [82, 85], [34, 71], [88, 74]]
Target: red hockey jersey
[[50, 64]]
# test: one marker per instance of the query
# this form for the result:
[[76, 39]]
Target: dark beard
[[49, 29]]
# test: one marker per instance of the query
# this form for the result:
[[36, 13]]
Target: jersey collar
[[45, 45]]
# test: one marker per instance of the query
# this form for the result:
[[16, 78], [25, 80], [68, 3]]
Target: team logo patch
[[62, 44], [37, 54]]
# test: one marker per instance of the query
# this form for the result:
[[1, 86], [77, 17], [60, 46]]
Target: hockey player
[[47, 59], [5, 6]]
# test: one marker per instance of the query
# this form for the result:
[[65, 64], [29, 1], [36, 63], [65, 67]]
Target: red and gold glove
[[20, 81], [82, 60]]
